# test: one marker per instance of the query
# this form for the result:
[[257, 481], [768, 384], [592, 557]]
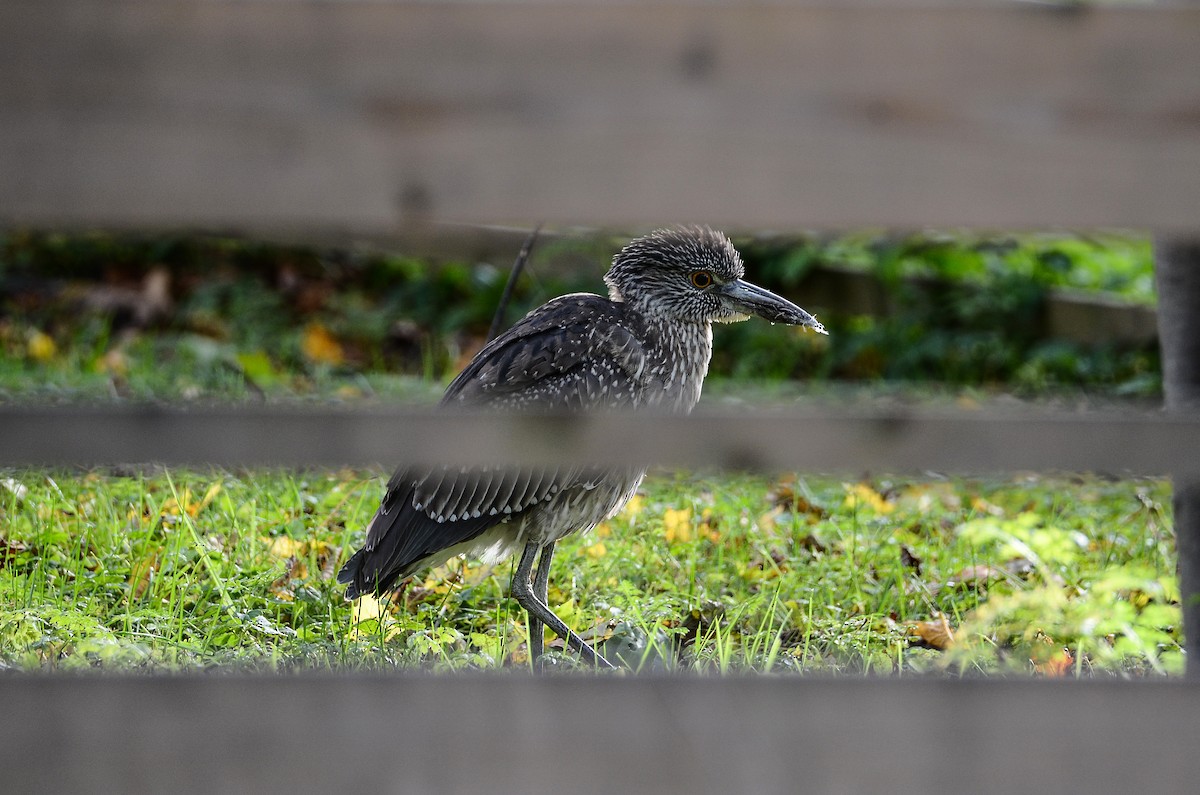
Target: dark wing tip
[[348, 575]]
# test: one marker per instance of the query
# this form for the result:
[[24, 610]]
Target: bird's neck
[[678, 362]]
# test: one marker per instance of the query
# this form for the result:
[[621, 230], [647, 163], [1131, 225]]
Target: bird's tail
[[349, 575]]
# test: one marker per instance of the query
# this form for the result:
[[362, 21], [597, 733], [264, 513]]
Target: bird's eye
[[701, 279]]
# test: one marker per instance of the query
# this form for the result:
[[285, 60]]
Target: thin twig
[[513, 275]]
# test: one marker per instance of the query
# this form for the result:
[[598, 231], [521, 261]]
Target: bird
[[646, 345]]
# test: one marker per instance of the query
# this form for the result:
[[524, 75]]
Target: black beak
[[750, 299]]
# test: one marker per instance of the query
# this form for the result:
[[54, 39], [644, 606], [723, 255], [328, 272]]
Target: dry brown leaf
[[294, 570], [141, 573], [934, 634], [9, 550], [1057, 666]]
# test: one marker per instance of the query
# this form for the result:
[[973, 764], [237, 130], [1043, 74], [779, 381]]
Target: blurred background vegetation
[[186, 316]]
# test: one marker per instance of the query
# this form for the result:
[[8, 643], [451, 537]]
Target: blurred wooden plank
[[815, 439], [513, 734], [347, 118]]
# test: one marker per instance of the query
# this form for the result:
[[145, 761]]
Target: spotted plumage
[[647, 345]]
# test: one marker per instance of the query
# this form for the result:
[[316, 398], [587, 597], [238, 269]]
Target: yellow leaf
[[41, 347], [285, 547], [767, 520], [677, 524], [369, 609], [597, 550], [633, 507], [980, 505], [860, 495], [172, 506], [319, 346]]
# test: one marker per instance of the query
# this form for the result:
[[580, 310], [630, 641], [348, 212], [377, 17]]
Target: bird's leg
[[528, 597], [541, 591]]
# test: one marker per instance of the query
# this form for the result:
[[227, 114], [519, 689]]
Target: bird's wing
[[571, 354], [575, 352]]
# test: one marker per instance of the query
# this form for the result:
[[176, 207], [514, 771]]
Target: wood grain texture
[[812, 438], [515, 734], [373, 117]]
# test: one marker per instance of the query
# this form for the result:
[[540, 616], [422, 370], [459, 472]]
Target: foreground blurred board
[[810, 438], [512, 734], [332, 118]]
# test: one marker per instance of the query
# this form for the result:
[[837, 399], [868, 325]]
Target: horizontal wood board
[[515, 734], [373, 118], [822, 439]]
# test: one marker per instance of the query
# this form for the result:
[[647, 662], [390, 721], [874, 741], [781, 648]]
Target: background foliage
[[962, 311]]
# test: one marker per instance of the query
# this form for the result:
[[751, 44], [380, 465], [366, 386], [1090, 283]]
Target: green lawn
[[168, 571]]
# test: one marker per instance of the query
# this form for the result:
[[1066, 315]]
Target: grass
[[177, 570], [154, 570]]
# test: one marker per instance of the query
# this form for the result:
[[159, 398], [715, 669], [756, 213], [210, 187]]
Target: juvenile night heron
[[645, 346]]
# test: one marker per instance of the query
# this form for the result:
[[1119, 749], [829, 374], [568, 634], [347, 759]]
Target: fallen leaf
[[766, 522], [708, 526], [909, 560], [677, 524], [934, 634], [1057, 666], [319, 346], [284, 546], [633, 507], [980, 505], [41, 347], [140, 575], [294, 570], [174, 506], [367, 616], [9, 550], [860, 495]]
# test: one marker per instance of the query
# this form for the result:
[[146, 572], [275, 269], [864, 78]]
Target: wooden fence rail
[[492, 734], [370, 117], [808, 438]]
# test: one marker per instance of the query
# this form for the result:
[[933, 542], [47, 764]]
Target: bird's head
[[694, 274]]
